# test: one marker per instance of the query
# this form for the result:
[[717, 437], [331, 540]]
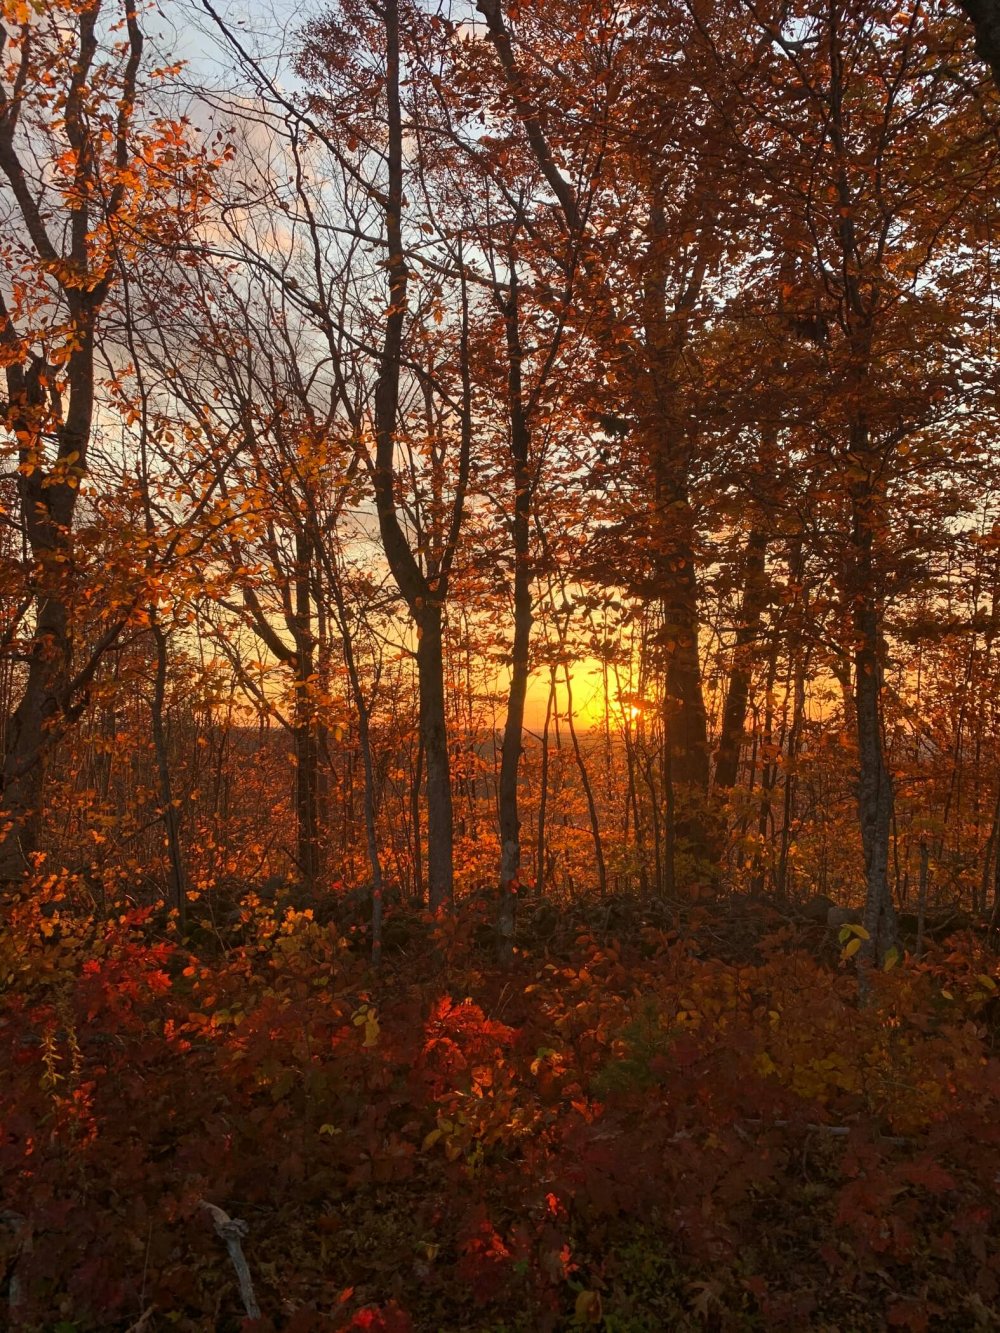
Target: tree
[[878, 230], [985, 18], [92, 181]]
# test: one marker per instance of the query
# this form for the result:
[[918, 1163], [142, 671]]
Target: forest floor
[[653, 1120]]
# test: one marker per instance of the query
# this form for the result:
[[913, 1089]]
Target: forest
[[499, 680]]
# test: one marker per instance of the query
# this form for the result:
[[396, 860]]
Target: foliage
[[534, 462], [636, 1134]]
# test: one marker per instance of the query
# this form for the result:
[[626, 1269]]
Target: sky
[[182, 30]]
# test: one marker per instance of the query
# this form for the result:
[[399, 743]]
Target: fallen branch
[[232, 1230], [834, 1131]]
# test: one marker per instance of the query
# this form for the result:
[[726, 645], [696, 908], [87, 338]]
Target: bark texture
[[513, 736], [738, 694], [985, 18]]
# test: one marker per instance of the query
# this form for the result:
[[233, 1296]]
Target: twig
[[232, 1230], [141, 1325]]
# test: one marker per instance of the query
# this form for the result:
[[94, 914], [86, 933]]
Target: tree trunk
[[425, 594], [781, 885], [685, 727], [306, 737], [65, 243], [922, 898], [543, 783], [433, 732], [875, 796], [685, 701], [671, 536], [875, 799], [371, 831], [415, 824], [985, 16], [738, 695], [588, 790], [306, 753], [992, 846], [47, 510], [54, 697], [513, 736], [632, 800], [171, 823], [768, 774], [510, 760], [25, 760]]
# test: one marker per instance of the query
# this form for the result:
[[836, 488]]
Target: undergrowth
[[627, 1132]]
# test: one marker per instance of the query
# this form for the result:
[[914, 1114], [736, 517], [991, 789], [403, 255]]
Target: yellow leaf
[[851, 948], [588, 1308]]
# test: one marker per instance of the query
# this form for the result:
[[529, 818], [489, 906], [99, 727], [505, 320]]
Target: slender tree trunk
[[433, 731], [306, 739], [663, 867], [425, 594], [922, 897], [738, 694], [513, 736], [543, 782], [306, 752], [415, 824], [171, 821], [988, 853], [588, 790], [326, 831], [669, 817], [875, 800], [875, 796], [632, 800], [371, 830], [781, 885], [768, 774], [24, 763], [364, 709], [512, 748]]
